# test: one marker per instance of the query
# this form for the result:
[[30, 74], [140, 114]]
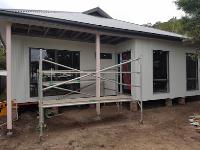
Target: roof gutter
[[96, 27]]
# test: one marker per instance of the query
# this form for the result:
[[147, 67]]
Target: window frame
[[195, 78], [167, 79]]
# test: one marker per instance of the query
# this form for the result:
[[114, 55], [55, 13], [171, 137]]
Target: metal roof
[[79, 17], [99, 11]]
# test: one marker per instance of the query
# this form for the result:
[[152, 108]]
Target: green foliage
[[192, 18], [2, 59], [190, 7], [173, 25], [188, 25]]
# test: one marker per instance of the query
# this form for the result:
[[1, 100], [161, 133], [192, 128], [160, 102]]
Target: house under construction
[[60, 58]]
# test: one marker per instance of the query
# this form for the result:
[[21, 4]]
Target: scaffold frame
[[86, 100]]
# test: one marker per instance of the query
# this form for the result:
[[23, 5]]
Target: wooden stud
[[46, 31], [105, 37], [73, 34], [85, 35], [29, 29], [77, 35], [113, 40], [62, 33], [89, 37]]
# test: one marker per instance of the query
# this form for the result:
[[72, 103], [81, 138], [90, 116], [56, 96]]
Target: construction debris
[[3, 108], [195, 121]]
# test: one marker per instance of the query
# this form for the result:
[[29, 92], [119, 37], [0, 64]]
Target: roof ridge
[[37, 10]]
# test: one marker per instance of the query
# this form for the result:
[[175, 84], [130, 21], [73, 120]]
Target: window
[[191, 72], [106, 55], [160, 71], [64, 57]]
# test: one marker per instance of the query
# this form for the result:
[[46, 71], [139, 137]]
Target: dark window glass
[[64, 57], [191, 72], [106, 56], [34, 65], [48, 55], [160, 71]]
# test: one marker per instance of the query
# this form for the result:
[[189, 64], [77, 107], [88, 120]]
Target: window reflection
[[64, 57]]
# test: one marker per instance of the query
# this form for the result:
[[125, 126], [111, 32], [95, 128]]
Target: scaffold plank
[[82, 101]]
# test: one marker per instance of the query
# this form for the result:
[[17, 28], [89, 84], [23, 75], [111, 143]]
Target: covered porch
[[105, 49]]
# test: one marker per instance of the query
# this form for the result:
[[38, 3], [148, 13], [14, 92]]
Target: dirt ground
[[164, 128]]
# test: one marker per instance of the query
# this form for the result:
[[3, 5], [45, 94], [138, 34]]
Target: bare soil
[[164, 128]]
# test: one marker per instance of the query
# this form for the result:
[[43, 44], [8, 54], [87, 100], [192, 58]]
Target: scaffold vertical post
[[98, 75], [141, 97], [40, 93]]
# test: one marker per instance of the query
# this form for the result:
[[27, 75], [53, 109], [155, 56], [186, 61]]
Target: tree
[[192, 19], [172, 25]]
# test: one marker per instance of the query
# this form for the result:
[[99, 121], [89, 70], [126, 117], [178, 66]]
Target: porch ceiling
[[46, 32]]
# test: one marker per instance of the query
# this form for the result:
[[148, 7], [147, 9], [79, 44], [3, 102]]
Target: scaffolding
[[90, 99]]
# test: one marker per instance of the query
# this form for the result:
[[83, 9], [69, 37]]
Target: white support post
[[9, 84], [98, 85]]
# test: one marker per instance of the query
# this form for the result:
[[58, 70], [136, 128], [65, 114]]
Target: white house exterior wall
[[20, 61], [177, 68], [138, 47]]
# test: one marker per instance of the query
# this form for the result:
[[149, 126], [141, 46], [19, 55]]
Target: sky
[[135, 11]]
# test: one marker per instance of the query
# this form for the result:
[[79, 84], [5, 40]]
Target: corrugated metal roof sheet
[[98, 21]]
